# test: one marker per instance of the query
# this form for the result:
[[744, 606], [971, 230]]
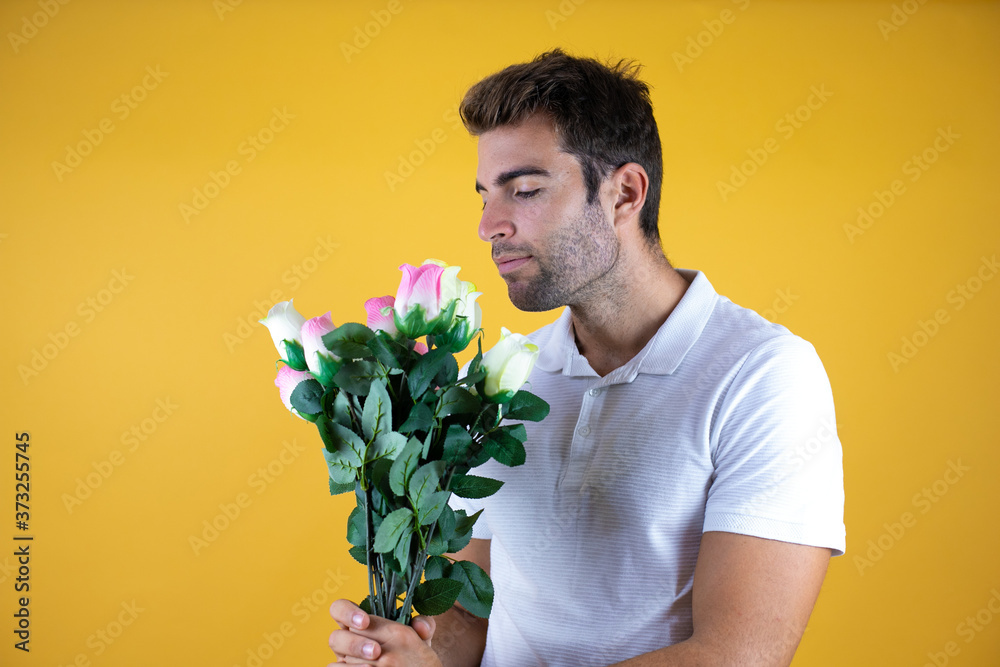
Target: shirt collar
[[662, 354]]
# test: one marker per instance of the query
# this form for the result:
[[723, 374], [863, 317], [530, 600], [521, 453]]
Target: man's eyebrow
[[509, 176]]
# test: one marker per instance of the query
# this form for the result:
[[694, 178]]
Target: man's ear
[[630, 184]]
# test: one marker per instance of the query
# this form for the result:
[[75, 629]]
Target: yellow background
[[176, 331]]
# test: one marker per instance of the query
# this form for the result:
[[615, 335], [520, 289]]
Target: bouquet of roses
[[402, 430]]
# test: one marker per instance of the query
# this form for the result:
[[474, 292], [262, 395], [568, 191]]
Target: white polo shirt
[[723, 422]]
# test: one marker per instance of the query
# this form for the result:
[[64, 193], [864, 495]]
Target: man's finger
[[354, 647], [349, 615], [424, 626]]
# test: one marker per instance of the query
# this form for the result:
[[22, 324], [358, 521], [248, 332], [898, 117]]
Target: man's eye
[[527, 194]]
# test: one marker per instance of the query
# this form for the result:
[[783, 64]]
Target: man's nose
[[495, 224]]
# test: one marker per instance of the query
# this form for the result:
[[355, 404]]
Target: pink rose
[[380, 314], [288, 379], [432, 301], [323, 363]]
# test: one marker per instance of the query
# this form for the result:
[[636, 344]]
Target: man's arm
[[751, 601]]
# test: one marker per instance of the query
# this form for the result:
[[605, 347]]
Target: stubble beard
[[577, 257]]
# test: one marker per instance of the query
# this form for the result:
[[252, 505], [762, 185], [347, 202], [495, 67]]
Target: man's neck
[[612, 328]]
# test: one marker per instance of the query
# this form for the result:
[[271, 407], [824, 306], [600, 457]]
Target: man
[[681, 502]]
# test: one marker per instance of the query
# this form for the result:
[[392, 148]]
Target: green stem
[[368, 547], [383, 610], [420, 564]]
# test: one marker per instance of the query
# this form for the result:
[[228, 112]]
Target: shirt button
[[584, 430], [596, 391]]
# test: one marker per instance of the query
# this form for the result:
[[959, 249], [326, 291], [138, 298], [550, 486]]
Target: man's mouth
[[507, 265]]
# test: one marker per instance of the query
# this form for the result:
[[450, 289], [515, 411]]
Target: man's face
[[552, 249]]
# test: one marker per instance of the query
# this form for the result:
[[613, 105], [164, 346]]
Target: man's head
[[602, 116]]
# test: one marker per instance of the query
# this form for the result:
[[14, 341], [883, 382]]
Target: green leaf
[[457, 401], [389, 352], [505, 448], [423, 372], [296, 356], [424, 481], [516, 431], [393, 527], [379, 505], [337, 407], [437, 545], [477, 454], [342, 452], [339, 472], [336, 488], [392, 562], [437, 568], [427, 445], [446, 523], [386, 446], [527, 407], [445, 530], [350, 341], [307, 397], [456, 444], [342, 441], [377, 414], [463, 531], [366, 604], [359, 554], [356, 377], [447, 373], [475, 372], [404, 465], [356, 527], [380, 475], [402, 550], [471, 486], [420, 419], [477, 589], [436, 596], [471, 379], [431, 505]]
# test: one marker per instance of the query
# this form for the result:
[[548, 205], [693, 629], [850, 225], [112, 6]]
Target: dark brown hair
[[602, 112]]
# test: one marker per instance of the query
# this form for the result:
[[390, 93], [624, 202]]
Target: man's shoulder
[[737, 334]]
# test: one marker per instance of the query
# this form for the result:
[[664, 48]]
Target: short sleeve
[[777, 457]]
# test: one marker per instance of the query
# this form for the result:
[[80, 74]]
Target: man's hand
[[365, 639]]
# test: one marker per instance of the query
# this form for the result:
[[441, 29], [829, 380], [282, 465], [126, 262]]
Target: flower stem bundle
[[402, 430]]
